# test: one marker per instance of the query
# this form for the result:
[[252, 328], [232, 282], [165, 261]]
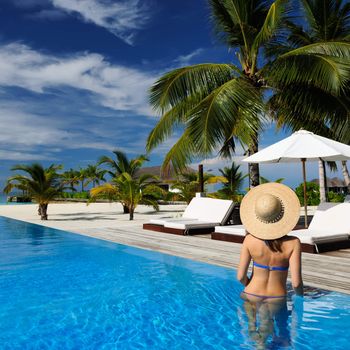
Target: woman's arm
[[295, 268], [244, 262]]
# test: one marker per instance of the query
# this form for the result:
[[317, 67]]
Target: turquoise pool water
[[64, 291]]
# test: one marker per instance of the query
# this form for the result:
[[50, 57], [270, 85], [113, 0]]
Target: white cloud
[[23, 156], [122, 18], [185, 60], [115, 86], [26, 136]]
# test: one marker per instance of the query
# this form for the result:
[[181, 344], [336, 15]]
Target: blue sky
[[74, 76]]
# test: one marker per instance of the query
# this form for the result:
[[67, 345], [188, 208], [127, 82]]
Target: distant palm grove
[[121, 181]]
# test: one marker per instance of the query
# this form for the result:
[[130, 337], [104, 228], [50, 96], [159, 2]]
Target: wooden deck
[[329, 271]]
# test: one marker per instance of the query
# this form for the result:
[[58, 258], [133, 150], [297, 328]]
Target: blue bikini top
[[271, 268]]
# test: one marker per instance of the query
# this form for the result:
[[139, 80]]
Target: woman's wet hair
[[274, 245]]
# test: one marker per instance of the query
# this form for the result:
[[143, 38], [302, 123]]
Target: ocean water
[[65, 291]]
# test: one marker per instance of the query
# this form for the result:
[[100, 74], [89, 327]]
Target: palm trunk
[[321, 177], [126, 209], [254, 174], [345, 173], [42, 211], [131, 212]]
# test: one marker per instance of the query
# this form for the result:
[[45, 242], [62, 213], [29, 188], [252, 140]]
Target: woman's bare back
[[269, 279]]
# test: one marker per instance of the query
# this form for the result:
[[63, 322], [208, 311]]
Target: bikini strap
[[271, 268]]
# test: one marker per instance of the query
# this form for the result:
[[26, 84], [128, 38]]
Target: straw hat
[[270, 211]]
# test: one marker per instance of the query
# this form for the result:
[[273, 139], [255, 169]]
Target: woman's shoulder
[[293, 243], [291, 239]]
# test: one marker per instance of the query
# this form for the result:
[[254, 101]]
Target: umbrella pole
[[303, 160]]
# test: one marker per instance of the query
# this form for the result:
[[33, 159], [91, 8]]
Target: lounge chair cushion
[[190, 224], [308, 236], [163, 221], [331, 217], [208, 209], [237, 230]]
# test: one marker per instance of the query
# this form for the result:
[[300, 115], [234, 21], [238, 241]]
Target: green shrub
[[335, 197], [77, 195], [312, 192]]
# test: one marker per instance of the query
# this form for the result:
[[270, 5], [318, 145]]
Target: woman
[[268, 213]]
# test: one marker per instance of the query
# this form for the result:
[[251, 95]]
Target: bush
[[312, 192], [335, 197], [77, 195]]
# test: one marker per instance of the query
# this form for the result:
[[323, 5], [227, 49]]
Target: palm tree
[[71, 178], [42, 184], [130, 191], [82, 178], [94, 175], [264, 180], [187, 184], [234, 180], [122, 164], [216, 104], [328, 114]]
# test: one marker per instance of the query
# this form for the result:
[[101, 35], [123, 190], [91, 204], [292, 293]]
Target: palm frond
[[177, 115], [105, 190], [236, 22], [179, 154], [219, 113], [216, 179], [274, 22], [324, 65], [179, 84], [311, 108]]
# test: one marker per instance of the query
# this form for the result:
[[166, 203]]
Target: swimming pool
[[65, 291]]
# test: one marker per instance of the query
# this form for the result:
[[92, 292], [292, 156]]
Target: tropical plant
[[336, 197], [264, 180], [130, 192], [41, 184], [187, 184], [122, 164], [234, 181], [216, 104], [71, 178], [94, 175], [82, 176], [326, 114], [312, 193]]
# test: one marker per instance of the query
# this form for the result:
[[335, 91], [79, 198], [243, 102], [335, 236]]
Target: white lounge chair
[[201, 216], [230, 233], [329, 229]]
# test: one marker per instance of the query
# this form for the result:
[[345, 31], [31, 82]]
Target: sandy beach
[[77, 217]]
